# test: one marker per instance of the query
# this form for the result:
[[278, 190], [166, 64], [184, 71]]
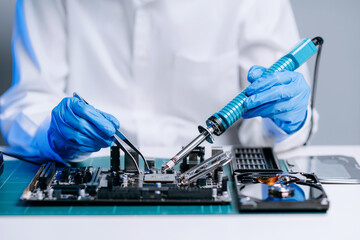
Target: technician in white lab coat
[[159, 67]]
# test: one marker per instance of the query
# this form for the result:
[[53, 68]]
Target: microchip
[[162, 178]]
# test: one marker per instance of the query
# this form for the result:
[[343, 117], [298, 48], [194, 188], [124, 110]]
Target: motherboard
[[196, 181]]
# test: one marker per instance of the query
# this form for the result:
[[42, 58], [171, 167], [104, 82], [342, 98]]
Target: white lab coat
[[161, 67]]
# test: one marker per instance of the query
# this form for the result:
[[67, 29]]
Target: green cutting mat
[[18, 174]]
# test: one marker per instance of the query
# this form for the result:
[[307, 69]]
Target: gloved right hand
[[77, 127]]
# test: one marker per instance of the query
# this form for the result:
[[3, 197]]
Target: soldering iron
[[219, 122]]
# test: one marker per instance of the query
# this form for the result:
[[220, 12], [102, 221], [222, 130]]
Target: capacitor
[[125, 180], [214, 193], [151, 162], [82, 193], [65, 174], [115, 158], [219, 176], [224, 184], [117, 179], [39, 194], [88, 174], [79, 178], [50, 193], [110, 180]]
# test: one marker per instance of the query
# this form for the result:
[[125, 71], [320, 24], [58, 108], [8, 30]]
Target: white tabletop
[[342, 221]]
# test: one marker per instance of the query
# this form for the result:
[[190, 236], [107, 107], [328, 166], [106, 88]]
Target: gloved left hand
[[282, 96]]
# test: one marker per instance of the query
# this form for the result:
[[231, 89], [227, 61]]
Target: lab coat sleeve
[[40, 71], [268, 32]]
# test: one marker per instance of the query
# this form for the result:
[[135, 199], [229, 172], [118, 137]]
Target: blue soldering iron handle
[[228, 115]]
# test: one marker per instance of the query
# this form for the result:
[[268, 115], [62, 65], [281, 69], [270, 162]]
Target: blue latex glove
[[77, 128], [282, 97]]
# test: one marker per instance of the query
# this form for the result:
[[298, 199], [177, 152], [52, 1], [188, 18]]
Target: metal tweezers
[[218, 160], [119, 136]]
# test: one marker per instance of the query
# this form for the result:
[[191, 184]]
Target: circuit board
[[128, 185]]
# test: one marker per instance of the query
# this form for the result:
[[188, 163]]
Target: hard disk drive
[[262, 186]]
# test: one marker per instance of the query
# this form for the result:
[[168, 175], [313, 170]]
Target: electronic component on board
[[115, 158], [151, 162], [160, 178], [46, 175]]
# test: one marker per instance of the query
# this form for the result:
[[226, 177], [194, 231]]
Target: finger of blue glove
[[63, 146], [255, 72], [293, 125], [86, 132], [273, 109], [68, 152], [93, 116], [108, 116], [82, 133], [270, 80], [111, 118], [67, 148], [82, 129], [283, 121], [283, 91]]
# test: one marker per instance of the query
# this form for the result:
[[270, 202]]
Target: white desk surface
[[342, 221]]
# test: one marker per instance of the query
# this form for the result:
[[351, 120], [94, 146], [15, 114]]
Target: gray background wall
[[6, 20], [338, 95], [338, 98]]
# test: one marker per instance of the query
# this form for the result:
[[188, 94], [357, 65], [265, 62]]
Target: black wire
[[19, 158], [319, 42], [32, 161]]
